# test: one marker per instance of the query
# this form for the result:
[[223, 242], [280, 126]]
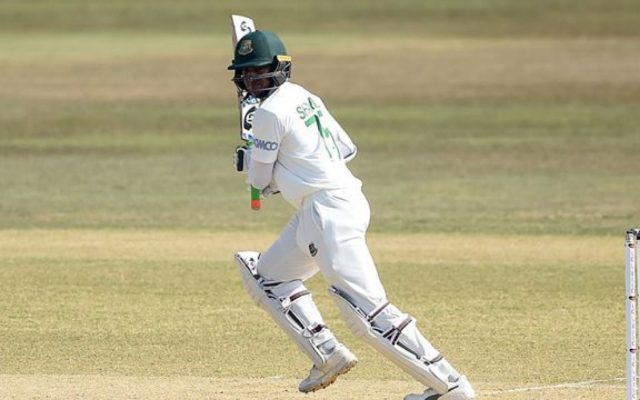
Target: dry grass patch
[[21, 387], [386, 248], [510, 311]]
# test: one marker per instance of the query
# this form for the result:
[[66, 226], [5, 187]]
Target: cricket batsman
[[301, 151]]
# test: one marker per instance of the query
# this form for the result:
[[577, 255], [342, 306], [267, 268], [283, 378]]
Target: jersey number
[[325, 134]]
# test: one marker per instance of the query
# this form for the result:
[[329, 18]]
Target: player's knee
[[247, 264], [384, 320], [262, 291]]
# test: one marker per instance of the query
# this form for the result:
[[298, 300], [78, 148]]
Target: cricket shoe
[[338, 363], [463, 391]]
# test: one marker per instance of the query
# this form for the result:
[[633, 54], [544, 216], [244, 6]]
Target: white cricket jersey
[[294, 130]]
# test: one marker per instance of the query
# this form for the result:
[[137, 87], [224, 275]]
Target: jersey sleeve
[[267, 132], [260, 174]]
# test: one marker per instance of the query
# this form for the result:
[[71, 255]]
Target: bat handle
[[255, 193], [255, 199]]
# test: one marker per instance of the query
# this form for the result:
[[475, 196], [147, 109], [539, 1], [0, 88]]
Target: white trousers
[[327, 234]]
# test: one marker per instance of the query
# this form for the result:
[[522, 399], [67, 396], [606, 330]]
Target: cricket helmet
[[260, 49]]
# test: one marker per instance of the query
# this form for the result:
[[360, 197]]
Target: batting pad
[[291, 306], [395, 335]]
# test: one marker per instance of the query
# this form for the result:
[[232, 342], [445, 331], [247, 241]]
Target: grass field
[[498, 145]]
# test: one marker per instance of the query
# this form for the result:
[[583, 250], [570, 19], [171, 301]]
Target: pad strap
[[396, 336], [291, 306]]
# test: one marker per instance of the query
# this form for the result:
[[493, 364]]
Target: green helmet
[[257, 49], [261, 49]]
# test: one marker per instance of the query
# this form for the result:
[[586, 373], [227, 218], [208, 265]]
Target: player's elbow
[[351, 155]]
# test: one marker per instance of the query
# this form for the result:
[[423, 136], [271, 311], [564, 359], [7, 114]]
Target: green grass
[[100, 130], [499, 168]]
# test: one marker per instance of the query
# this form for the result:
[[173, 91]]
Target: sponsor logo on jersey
[[265, 145]]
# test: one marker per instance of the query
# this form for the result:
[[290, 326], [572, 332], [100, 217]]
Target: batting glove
[[241, 158]]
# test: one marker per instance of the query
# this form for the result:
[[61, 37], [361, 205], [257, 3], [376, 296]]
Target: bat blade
[[240, 26], [248, 107]]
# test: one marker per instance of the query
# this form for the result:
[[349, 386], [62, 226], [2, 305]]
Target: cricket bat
[[247, 103]]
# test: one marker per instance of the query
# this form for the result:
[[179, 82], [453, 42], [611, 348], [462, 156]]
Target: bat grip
[[255, 199], [255, 193]]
